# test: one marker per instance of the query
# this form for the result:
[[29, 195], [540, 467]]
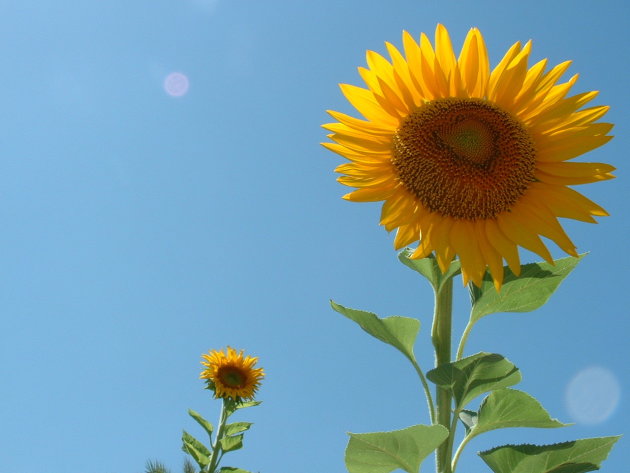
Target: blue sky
[[142, 229]]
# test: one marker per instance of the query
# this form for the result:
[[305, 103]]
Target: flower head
[[470, 162], [231, 375]]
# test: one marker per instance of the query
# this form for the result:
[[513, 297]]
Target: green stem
[[459, 451], [441, 335], [427, 391], [451, 439], [463, 340], [216, 446]]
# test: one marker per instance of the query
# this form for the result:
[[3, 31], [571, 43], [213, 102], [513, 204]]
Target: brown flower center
[[232, 377], [464, 158]]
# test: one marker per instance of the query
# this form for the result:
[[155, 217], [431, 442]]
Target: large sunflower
[[231, 374], [470, 162]]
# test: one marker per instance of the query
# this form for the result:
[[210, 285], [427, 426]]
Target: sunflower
[[470, 162], [231, 375]]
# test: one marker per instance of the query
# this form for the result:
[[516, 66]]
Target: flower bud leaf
[[429, 268]]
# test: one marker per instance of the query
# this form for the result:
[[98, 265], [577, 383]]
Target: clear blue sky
[[140, 230]]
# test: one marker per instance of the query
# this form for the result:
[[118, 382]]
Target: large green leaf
[[383, 452], [236, 427], [524, 293], [231, 469], [511, 408], [231, 443], [196, 449], [400, 332], [578, 456], [201, 421], [475, 375], [429, 268]]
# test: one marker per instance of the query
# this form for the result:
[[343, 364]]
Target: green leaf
[[429, 268], [231, 469], [475, 375], [231, 443], [196, 449], [383, 452], [236, 427], [468, 418], [578, 456], [399, 332], [202, 422], [524, 293], [243, 405], [232, 406], [511, 408]]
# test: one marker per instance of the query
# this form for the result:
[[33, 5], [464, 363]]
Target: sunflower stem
[[216, 446], [441, 335]]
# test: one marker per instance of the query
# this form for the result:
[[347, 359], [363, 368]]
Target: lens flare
[[176, 84], [592, 395]]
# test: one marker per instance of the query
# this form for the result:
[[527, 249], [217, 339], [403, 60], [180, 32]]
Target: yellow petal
[[589, 172], [444, 251], [380, 66], [397, 210], [498, 70], [361, 144], [489, 254], [474, 65], [503, 245], [395, 97], [343, 129], [358, 124], [414, 61], [363, 170], [539, 116], [381, 181], [582, 117], [509, 83], [564, 107], [539, 219], [366, 103], [464, 242], [512, 225], [568, 203], [544, 86], [411, 93], [529, 88], [569, 148], [355, 155], [369, 194], [446, 58], [425, 247], [406, 235]]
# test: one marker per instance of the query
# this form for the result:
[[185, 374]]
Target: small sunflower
[[231, 375], [470, 162]]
